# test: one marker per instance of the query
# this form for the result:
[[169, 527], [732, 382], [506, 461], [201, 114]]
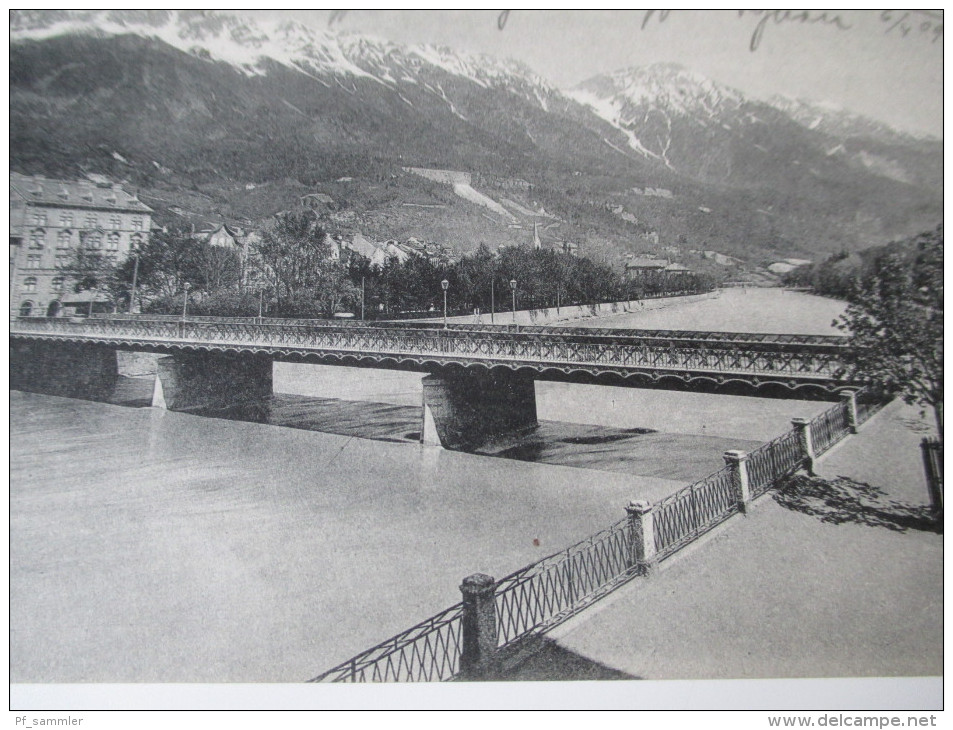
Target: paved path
[[848, 585]]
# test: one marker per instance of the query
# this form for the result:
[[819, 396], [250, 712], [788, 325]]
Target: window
[[64, 239], [66, 219], [137, 224], [57, 283], [63, 261], [29, 285], [135, 241], [115, 222], [94, 240], [37, 238], [33, 261], [91, 220], [39, 218], [112, 242], [26, 309]]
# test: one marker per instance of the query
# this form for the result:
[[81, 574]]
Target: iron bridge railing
[[807, 359]]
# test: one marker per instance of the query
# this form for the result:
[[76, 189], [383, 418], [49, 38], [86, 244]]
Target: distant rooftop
[[74, 193], [646, 263]]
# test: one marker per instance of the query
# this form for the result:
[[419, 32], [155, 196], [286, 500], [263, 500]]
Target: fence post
[[478, 624], [849, 399], [803, 426], [642, 526], [737, 461], [933, 466]]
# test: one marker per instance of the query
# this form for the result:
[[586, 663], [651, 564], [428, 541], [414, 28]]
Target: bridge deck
[[792, 361]]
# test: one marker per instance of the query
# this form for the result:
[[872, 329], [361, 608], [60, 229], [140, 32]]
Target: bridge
[[480, 377]]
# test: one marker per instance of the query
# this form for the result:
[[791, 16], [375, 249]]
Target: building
[[49, 221], [640, 266]]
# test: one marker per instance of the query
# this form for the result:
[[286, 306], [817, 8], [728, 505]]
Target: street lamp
[[135, 277], [445, 285], [513, 287], [185, 301], [261, 304], [492, 299]]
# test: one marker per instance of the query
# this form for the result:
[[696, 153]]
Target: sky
[[884, 64]]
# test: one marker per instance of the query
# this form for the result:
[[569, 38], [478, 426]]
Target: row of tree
[[289, 271]]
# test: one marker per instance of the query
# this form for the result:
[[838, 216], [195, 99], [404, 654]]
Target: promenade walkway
[[836, 576]]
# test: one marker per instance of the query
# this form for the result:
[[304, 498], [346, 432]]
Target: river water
[[153, 546]]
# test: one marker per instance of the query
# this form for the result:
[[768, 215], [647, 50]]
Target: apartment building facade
[[49, 221]]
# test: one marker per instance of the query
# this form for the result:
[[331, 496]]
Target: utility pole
[[362, 298]]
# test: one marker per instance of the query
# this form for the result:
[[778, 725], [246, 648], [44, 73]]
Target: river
[[154, 546]]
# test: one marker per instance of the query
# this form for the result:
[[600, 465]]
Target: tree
[[294, 254], [895, 321], [89, 269], [219, 267], [167, 261]]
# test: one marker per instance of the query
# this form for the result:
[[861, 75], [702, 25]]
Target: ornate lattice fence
[[562, 584], [543, 594], [772, 461], [829, 427], [683, 516], [427, 652]]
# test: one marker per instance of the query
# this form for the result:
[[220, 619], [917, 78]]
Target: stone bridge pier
[[209, 380], [68, 369], [464, 409]]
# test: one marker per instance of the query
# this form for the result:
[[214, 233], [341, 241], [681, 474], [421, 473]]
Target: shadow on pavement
[[548, 661], [843, 500]]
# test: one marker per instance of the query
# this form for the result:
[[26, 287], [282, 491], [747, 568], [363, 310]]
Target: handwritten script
[[923, 23]]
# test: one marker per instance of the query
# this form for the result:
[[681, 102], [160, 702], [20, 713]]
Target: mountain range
[[212, 115]]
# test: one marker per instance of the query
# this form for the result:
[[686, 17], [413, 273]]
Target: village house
[[49, 221]]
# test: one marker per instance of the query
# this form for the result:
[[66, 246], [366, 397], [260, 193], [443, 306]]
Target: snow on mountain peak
[[245, 43]]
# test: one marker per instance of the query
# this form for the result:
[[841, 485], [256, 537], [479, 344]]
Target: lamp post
[[135, 278], [492, 298], [445, 285], [185, 301], [362, 298], [261, 304], [513, 288]]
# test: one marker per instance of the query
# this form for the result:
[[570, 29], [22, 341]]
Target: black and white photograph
[[550, 358]]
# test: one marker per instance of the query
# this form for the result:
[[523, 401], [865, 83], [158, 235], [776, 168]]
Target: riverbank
[[572, 313], [846, 582]]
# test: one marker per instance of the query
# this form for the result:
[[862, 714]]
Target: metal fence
[[829, 427], [562, 584], [774, 460], [539, 596], [683, 516], [427, 652], [869, 401]]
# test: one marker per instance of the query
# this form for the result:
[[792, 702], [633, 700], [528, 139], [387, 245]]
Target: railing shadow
[[547, 661], [842, 500]]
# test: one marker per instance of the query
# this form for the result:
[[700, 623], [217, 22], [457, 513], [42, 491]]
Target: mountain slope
[[214, 114]]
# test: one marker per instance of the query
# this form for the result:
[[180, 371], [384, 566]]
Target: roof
[[646, 263], [212, 229], [75, 194], [362, 246]]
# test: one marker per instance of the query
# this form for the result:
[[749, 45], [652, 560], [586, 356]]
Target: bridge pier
[[197, 380], [463, 410], [67, 369]]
